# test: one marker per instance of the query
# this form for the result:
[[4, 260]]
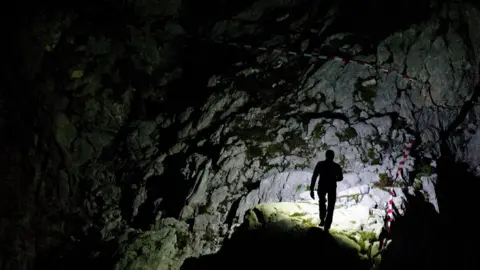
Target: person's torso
[[328, 171]]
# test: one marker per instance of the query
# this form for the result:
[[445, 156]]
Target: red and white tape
[[400, 170], [324, 57]]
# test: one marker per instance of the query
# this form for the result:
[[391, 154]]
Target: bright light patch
[[350, 219]]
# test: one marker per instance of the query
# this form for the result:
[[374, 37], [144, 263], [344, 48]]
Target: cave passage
[[135, 136], [286, 236]]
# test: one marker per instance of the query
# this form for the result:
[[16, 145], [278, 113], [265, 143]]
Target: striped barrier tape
[[314, 56], [400, 170], [325, 57]]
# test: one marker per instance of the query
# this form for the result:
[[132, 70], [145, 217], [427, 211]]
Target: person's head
[[329, 155]]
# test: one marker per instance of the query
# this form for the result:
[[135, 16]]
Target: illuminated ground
[[293, 216]]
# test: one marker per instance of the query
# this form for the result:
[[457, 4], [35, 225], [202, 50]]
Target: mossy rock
[[318, 131], [348, 134], [251, 220], [383, 182], [347, 242], [275, 149], [255, 134], [294, 140], [424, 170], [367, 93], [417, 184], [65, 131], [373, 157]]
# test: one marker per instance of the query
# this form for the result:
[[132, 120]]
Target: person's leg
[[332, 197], [322, 206]]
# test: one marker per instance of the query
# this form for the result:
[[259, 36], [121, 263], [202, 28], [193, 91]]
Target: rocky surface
[[277, 229], [144, 143]]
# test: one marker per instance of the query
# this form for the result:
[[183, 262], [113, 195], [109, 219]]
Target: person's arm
[[339, 174], [316, 172]]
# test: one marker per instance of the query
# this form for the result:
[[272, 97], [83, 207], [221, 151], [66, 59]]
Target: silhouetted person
[[330, 173]]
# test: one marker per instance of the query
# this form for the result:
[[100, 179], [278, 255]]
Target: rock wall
[[153, 132]]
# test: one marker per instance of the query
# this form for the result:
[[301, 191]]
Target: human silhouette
[[330, 173]]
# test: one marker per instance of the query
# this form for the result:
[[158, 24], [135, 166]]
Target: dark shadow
[[457, 194], [270, 248], [425, 239], [166, 192], [416, 237]]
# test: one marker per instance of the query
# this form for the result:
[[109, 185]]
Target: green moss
[[298, 214], [383, 182], [401, 184], [347, 241], [256, 134], [275, 149], [368, 236], [251, 219], [361, 238], [299, 187], [308, 222], [417, 185], [307, 187], [373, 157], [424, 170], [363, 247], [383, 178], [209, 236], [348, 134], [318, 132], [367, 93], [371, 153], [293, 140], [182, 239]]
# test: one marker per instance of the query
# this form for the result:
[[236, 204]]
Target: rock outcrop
[[145, 141]]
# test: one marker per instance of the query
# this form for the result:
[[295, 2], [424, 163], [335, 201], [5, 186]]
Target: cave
[[149, 134]]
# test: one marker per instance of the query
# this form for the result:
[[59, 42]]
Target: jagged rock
[[364, 130], [65, 131], [162, 249], [218, 196], [99, 139], [252, 136], [418, 51], [386, 93], [345, 84], [82, 151], [428, 186], [141, 138], [474, 149]]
